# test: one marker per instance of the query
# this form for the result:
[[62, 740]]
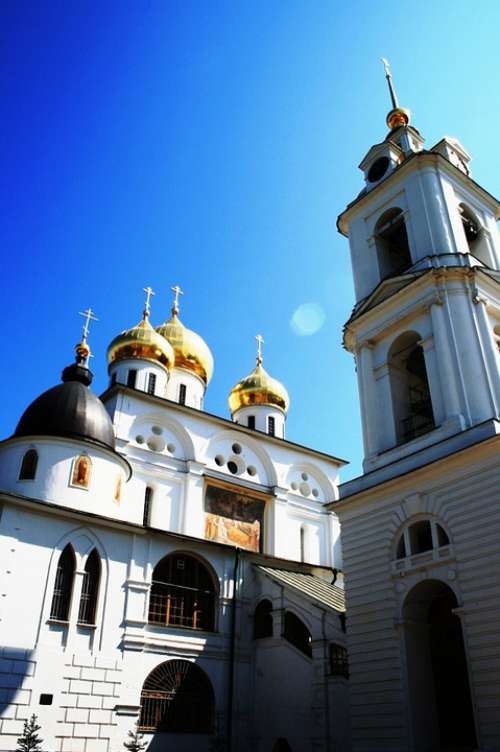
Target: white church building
[[168, 567]]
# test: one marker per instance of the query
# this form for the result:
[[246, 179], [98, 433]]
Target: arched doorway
[[440, 701]]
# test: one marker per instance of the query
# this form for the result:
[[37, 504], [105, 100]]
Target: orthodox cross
[[260, 342], [177, 291], [88, 315], [147, 305], [388, 76]]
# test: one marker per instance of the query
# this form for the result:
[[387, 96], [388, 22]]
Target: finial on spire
[[398, 115], [388, 75], [82, 349], [177, 291], [260, 342], [147, 305]]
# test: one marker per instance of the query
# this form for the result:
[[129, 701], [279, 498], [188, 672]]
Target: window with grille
[[183, 594], [148, 500], [90, 589], [177, 696], [63, 586], [339, 664], [29, 465], [263, 620], [131, 378], [182, 394], [297, 633], [271, 426], [151, 383]]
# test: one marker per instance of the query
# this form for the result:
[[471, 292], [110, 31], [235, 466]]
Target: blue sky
[[212, 145]]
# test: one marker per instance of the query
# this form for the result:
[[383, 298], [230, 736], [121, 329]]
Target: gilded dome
[[141, 342], [258, 388], [191, 351]]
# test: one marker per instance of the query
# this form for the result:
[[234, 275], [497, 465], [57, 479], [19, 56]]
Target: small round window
[[378, 169], [232, 467]]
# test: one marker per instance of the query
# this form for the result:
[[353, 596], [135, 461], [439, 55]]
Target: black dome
[[69, 410]]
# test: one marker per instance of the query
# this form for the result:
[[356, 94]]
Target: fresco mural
[[234, 518]]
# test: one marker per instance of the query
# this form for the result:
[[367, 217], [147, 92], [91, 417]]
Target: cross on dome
[[177, 291], [260, 342], [147, 305], [82, 349]]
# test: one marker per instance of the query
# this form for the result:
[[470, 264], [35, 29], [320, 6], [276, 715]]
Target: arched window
[[90, 589], [302, 543], [339, 664], [183, 594], [82, 468], [474, 234], [391, 238], [411, 397], [177, 696], [297, 633], [263, 620], [420, 537], [29, 465], [148, 501], [63, 586]]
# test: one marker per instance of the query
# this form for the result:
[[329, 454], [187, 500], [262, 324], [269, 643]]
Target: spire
[[147, 303], [260, 342], [398, 116], [177, 291]]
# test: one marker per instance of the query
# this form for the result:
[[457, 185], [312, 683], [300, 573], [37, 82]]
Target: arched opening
[[63, 586], [90, 589], [297, 634], [393, 249], [438, 682], [263, 620], [411, 396], [29, 465], [177, 697], [183, 594], [148, 503], [474, 235]]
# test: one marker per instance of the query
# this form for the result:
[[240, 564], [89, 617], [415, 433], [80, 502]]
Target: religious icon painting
[[80, 474]]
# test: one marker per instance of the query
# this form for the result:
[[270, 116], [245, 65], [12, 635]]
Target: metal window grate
[[177, 697], [63, 586], [182, 594], [90, 589]]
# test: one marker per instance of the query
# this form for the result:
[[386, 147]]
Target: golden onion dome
[[142, 342], [191, 351], [258, 388]]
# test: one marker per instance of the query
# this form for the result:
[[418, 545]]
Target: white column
[[489, 347], [193, 517], [368, 399], [431, 367], [446, 366], [436, 212], [385, 418]]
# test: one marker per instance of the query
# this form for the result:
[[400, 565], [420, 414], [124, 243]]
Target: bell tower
[[425, 328]]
